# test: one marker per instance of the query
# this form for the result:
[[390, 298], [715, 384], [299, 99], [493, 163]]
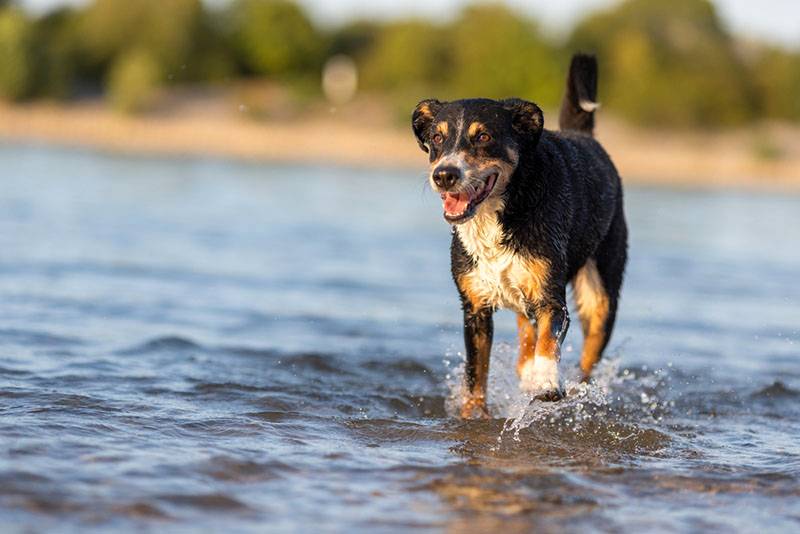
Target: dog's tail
[[580, 100]]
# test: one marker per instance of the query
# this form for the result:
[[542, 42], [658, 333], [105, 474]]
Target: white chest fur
[[501, 277]]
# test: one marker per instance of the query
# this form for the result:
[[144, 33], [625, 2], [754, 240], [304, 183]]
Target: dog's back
[[570, 195], [597, 252], [572, 176]]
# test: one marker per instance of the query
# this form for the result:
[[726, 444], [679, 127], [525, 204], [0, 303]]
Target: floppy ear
[[526, 118], [422, 119]]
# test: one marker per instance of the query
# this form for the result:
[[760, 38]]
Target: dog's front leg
[[478, 332], [540, 375]]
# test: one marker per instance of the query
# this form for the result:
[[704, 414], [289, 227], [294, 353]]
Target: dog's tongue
[[455, 203]]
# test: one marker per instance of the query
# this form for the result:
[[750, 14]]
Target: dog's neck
[[482, 235]]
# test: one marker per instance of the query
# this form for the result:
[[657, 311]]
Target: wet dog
[[532, 210]]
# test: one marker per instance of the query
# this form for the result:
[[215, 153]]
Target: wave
[[161, 344], [777, 390]]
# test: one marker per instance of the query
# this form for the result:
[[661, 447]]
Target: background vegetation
[[663, 63]]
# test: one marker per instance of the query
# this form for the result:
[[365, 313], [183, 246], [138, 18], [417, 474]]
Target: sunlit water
[[210, 346]]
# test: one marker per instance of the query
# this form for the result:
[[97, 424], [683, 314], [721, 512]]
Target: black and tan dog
[[532, 210]]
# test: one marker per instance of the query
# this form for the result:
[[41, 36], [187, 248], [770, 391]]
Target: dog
[[531, 210]]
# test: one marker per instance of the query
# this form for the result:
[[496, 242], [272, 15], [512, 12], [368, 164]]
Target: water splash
[[603, 398]]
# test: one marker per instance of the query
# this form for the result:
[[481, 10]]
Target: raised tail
[[580, 100]]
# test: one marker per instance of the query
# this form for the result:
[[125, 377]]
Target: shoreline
[[215, 128]]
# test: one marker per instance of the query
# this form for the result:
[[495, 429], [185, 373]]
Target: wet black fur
[[564, 202]]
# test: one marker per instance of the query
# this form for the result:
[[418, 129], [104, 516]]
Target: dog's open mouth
[[458, 207]]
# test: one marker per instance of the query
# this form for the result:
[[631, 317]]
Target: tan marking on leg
[[540, 375], [527, 341], [475, 401], [592, 302], [474, 404], [546, 344], [466, 284], [538, 274], [474, 408]]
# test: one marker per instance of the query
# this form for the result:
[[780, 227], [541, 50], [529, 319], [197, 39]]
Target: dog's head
[[474, 148]]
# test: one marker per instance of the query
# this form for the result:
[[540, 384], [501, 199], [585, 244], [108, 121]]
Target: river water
[[203, 345]]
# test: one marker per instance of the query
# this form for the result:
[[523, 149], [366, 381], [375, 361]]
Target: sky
[[776, 21]]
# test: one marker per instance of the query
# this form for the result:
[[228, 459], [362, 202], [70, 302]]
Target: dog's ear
[[422, 119], [526, 118]]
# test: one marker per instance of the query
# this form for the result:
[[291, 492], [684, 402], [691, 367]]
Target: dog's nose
[[446, 177]]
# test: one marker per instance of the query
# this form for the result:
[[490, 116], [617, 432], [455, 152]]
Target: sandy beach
[[362, 135]]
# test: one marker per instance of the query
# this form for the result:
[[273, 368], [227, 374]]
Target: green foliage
[[407, 53], [355, 39], [489, 51], [667, 63], [497, 53], [133, 81], [167, 29], [661, 63], [16, 54], [274, 38], [777, 77], [56, 54]]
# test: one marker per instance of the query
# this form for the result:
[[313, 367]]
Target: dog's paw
[[474, 408], [540, 377], [552, 395]]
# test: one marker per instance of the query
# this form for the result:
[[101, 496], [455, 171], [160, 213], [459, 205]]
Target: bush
[[56, 54], [275, 38], [167, 29], [16, 53], [133, 81], [355, 39], [408, 54], [777, 77], [497, 54], [667, 63]]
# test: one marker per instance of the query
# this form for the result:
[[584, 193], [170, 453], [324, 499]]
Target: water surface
[[212, 346]]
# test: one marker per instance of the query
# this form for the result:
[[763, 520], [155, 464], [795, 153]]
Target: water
[[211, 346]]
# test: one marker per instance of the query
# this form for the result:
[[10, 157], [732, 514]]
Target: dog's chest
[[501, 277]]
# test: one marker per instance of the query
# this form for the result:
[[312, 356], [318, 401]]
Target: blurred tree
[[133, 81], [662, 63], [56, 53], [16, 53], [777, 77], [408, 54], [275, 38], [354, 39], [167, 29], [667, 63], [497, 53], [212, 57]]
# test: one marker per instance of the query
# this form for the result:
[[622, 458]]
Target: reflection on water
[[211, 345]]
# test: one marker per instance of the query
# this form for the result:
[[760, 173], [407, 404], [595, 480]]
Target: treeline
[[662, 63]]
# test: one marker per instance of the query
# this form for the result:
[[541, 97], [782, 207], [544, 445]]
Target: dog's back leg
[[597, 287]]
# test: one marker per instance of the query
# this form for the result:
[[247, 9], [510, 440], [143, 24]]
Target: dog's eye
[[437, 139], [484, 137]]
